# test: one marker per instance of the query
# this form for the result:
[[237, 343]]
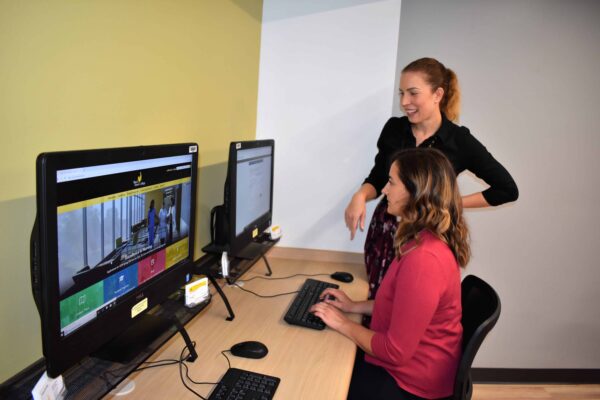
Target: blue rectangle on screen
[[120, 283]]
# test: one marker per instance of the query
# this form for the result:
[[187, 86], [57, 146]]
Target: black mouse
[[249, 349], [342, 276]]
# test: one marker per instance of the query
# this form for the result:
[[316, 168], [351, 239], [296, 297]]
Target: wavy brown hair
[[434, 201], [437, 75]]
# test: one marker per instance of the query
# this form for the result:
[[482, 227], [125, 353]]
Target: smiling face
[[396, 193], [418, 100]]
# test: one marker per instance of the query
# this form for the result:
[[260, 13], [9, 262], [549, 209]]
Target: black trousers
[[370, 382]]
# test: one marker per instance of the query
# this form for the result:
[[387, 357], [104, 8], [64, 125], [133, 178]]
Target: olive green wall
[[92, 74]]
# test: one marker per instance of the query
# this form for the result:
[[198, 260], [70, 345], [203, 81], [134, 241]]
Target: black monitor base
[[240, 266], [203, 266], [138, 337], [212, 248], [240, 261], [93, 377], [253, 250], [212, 280]]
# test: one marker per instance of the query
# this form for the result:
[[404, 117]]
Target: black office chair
[[480, 312]]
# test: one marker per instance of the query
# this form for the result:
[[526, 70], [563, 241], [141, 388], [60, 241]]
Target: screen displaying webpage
[[253, 186], [119, 226]]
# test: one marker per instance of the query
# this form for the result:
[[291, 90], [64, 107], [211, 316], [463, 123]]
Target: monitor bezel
[[63, 352]]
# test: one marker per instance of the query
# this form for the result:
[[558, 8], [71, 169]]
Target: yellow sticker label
[[254, 233], [198, 285], [139, 307], [196, 292]]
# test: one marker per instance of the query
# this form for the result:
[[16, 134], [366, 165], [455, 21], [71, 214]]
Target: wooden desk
[[311, 364]]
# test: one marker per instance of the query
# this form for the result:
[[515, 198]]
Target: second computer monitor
[[249, 195]]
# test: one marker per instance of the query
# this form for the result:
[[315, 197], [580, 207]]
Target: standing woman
[[413, 345], [430, 99]]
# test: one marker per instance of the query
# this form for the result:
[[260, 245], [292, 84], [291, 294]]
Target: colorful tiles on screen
[[177, 252], [81, 303], [121, 282], [151, 266]]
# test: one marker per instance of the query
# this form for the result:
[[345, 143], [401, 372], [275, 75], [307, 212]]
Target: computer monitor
[[114, 236], [249, 195]]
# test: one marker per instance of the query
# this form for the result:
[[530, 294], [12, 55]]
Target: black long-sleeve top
[[462, 149]]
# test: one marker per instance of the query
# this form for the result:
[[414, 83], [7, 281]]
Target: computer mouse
[[342, 276], [250, 349]]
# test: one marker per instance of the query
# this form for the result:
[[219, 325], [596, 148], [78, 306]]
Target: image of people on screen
[[98, 240], [151, 222]]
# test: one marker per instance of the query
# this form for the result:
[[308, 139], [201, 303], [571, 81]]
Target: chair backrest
[[480, 312]]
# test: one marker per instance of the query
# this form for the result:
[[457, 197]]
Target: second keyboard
[[239, 384], [298, 313]]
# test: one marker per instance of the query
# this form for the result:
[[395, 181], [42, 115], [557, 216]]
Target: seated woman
[[413, 346]]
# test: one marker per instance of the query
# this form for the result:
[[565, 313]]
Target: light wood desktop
[[312, 364]]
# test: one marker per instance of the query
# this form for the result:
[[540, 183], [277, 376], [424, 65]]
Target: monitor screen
[[253, 185], [249, 194], [116, 233]]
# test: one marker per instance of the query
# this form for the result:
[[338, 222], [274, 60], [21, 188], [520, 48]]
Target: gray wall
[[528, 71], [529, 77]]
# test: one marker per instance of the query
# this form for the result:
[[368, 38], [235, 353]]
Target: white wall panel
[[326, 88]]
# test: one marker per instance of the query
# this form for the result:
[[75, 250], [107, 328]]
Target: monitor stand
[[94, 377], [138, 337], [202, 266], [238, 265], [247, 257], [253, 250]]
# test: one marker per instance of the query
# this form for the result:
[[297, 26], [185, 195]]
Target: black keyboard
[[298, 313], [238, 384]]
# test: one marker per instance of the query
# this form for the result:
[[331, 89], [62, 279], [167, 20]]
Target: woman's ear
[[438, 95]]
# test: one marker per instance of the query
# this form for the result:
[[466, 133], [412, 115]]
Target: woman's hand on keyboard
[[331, 315], [338, 299]]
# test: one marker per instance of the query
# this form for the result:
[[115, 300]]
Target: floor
[[553, 392]]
